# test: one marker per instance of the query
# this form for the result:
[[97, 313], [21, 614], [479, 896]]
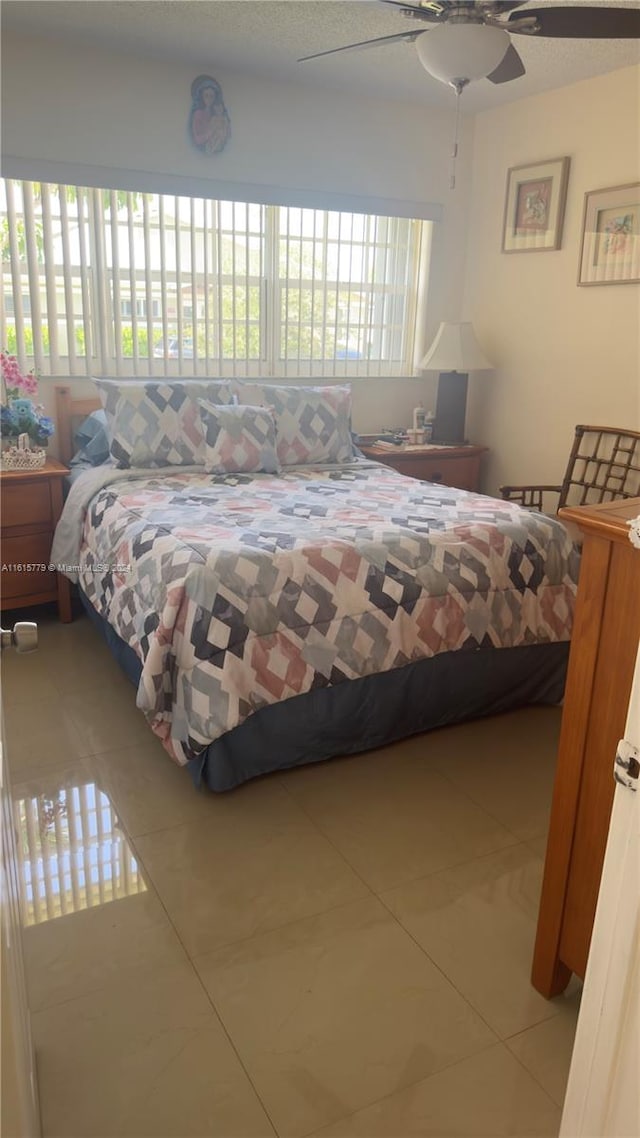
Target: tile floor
[[341, 950]]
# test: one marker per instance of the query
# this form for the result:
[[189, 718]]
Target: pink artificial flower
[[14, 380], [28, 383]]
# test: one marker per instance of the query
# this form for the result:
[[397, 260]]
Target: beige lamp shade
[[455, 348]]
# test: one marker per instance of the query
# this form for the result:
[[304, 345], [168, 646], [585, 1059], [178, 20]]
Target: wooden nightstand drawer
[[457, 466], [26, 551], [31, 504], [27, 503], [458, 472]]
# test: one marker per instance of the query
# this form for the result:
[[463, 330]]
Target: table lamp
[[454, 353]]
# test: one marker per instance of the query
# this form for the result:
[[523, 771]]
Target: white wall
[[565, 355], [100, 109]]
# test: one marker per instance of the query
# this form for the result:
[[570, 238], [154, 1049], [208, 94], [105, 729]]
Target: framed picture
[[610, 252], [534, 209]]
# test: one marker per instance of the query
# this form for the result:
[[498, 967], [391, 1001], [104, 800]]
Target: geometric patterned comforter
[[237, 591]]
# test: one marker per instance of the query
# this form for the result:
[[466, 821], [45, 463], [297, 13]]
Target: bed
[[275, 617]]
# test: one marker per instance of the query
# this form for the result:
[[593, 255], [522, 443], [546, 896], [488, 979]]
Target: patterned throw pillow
[[157, 422], [313, 424], [239, 440]]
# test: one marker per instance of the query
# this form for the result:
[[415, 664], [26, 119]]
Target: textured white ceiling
[[266, 37]]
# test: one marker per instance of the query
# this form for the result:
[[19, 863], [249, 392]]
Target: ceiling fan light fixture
[[462, 51]]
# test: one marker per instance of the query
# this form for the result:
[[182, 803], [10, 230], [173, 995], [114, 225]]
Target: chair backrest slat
[[604, 464]]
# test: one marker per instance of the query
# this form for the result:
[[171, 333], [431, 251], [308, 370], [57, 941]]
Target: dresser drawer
[[27, 503], [16, 584]]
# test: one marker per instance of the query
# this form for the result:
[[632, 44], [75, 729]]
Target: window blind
[[126, 283]]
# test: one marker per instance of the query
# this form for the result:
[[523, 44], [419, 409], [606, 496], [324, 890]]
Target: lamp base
[[451, 408]]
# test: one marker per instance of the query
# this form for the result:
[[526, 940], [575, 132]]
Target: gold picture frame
[[610, 249], [534, 206]]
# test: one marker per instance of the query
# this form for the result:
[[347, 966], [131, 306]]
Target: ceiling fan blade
[[511, 67], [408, 37], [582, 23]]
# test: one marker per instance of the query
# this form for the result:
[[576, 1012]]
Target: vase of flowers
[[25, 430]]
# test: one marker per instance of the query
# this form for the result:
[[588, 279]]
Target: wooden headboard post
[[68, 409]]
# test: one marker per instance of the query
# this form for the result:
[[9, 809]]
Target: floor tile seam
[[99, 749], [102, 986], [189, 962], [459, 793], [62, 693], [536, 838], [86, 750], [457, 865], [501, 1038], [157, 830], [531, 1074], [11, 730], [409, 761], [199, 1027], [406, 881], [21, 775], [553, 1013], [129, 746], [200, 821], [233, 1046], [201, 985], [405, 1087], [277, 928], [480, 806], [323, 832], [154, 888], [448, 979]]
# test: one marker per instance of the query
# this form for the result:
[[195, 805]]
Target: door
[[20, 1111], [603, 1092]]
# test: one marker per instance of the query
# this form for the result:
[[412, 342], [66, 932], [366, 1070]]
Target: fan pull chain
[[458, 86]]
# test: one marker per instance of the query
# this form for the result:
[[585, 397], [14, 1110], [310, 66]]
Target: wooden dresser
[[30, 505], [601, 664]]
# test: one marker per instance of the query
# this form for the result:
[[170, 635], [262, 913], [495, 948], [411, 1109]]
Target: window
[[131, 283], [126, 307], [24, 301]]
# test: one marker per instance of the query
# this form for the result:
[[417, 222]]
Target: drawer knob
[[23, 636]]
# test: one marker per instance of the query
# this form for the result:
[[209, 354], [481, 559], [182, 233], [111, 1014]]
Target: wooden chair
[[604, 464]]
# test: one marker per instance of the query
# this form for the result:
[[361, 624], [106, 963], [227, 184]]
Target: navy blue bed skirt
[[359, 715]]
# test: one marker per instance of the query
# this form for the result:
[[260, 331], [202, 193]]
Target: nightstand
[[450, 465], [30, 505]]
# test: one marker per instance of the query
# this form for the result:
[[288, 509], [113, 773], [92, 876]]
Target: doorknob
[[23, 636]]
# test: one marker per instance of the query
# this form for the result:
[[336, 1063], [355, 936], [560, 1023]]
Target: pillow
[[157, 422], [313, 424], [239, 439], [91, 441]]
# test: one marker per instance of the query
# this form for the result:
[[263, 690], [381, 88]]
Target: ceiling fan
[[469, 39]]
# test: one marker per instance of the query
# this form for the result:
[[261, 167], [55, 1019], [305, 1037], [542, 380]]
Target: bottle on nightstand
[[418, 417]]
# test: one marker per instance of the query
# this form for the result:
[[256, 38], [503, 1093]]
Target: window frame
[[101, 317]]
